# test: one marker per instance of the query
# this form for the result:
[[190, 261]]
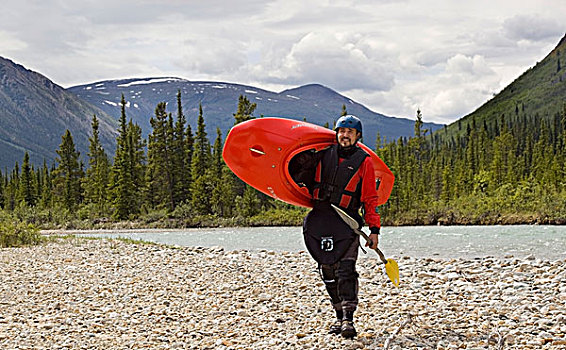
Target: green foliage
[[245, 110], [98, 174], [510, 177], [287, 216], [128, 171], [503, 164], [344, 111], [181, 150], [248, 204], [68, 174], [161, 159], [15, 233], [201, 151], [26, 185]]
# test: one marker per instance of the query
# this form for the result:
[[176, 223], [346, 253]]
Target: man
[[343, 176]]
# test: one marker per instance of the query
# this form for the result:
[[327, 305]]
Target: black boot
[[347, 329], [336, 327]]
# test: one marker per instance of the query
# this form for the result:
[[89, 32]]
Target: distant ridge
[[317, 103], [34, 113]]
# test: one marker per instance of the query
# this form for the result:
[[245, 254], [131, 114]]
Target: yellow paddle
[[391, 267]]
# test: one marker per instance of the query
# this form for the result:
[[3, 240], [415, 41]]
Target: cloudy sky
[[445, 57]]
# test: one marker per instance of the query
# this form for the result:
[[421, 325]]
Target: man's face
[[347, 136]]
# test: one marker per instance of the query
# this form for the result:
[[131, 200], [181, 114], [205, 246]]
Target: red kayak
[[259, 151]]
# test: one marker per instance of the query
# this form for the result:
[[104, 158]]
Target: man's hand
[[374, 239]]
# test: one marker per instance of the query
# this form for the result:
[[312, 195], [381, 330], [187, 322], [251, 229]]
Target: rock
[[113, 294]]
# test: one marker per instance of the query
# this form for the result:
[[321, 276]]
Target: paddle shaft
[[354, 226], [365, 236]]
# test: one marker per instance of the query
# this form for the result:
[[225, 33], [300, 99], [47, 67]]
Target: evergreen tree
[[161, 159], [2, 184], [217, 161], [201, 179], [223, 193], [122, 183], [46, 197], [248, 204], [419, 124], [181, 165], [245, 110], [98, 172], [26, 191], [68, 174], [137, 160], [189, 148], [128, 169], [11, 188], [201, 153]]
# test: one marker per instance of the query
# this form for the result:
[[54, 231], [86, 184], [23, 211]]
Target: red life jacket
[[337, 181]]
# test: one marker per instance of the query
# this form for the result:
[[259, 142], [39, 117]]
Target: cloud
[[471, 67], [464, 83], [531, 27], [222, 56], [448, 89], [343, 61], [445, 57], [9, 42]]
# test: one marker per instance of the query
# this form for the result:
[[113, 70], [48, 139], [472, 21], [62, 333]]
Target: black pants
[[341, 280]]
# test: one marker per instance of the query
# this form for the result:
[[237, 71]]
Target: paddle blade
[[392, 270]]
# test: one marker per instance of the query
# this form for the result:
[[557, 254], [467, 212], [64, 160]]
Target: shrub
[[14, 233]]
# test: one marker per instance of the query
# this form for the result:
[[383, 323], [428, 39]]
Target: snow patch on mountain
[[149, 81]]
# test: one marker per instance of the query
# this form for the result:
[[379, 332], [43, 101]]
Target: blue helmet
[[349, 121]]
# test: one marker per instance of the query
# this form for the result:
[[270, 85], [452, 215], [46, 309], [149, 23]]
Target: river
[[519, 241]]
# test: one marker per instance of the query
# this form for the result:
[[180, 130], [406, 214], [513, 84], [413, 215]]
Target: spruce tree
[[122, 184], [181, 165], [188, 149], [98, 172], [248, 204], [26, 191], [201, 175], [11, 188], [161, 159], [46, 196], [223, 191], [201, 153], [128, 169], [2, 184], [137, 166], [68, 174], [217, 161], [245, 110]]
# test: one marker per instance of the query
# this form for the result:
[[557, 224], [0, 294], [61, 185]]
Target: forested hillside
[[504, 163], [181, 180]]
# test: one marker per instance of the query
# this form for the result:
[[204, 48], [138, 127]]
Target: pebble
[[108, 294]]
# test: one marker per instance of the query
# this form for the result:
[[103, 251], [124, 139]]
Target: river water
[[519, 241]]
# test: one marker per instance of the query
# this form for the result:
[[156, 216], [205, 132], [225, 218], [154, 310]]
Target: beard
[[346, 151]]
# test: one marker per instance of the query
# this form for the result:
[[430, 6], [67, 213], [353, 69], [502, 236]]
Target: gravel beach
[[109, 294]]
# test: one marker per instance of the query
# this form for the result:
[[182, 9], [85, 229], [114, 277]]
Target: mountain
[[34, 114], [540, 92], [34, 111], [317, 103]]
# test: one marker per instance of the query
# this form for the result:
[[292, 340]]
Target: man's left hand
[[374, 239]]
